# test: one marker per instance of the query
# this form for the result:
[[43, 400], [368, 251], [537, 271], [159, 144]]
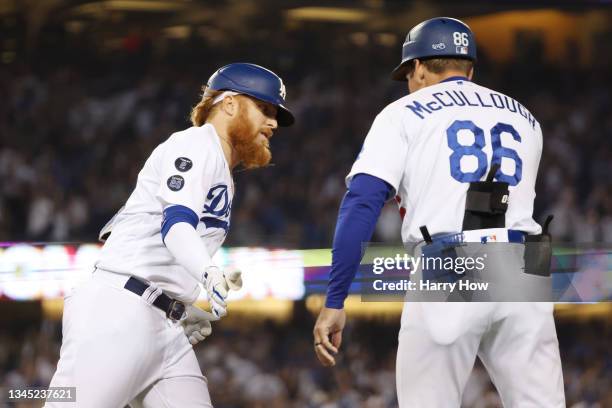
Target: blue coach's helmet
[[434, 38], [255, 81]]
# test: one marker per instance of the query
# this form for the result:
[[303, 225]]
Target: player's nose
[[272, 123]]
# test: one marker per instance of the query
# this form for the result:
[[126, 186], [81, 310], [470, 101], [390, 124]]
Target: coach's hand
[[328, 334], [196, 324]]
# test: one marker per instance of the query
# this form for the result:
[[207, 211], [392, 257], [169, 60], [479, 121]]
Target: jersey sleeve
[[384, 150], [187, 172]]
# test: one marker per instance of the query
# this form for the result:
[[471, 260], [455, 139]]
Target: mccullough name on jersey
[[454, 97]]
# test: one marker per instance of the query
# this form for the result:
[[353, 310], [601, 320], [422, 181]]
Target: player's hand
[[328, 335], [217, 284], [196, 324], [216, 288], [233, 278]]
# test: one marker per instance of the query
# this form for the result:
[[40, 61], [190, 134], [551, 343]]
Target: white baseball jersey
[[188, 169], [431, 144]]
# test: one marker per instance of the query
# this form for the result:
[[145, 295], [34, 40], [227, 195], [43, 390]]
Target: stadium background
[[89, 88]]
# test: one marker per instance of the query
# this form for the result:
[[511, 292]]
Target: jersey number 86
[[475, 149]]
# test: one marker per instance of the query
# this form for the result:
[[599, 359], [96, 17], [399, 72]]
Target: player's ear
[[230, 105]]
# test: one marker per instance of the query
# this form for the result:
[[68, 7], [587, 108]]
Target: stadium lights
[[179, 32], [332, 14], [130, 5]]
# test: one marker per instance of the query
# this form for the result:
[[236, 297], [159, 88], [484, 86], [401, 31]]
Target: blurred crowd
[[76, 127], [273, 365]]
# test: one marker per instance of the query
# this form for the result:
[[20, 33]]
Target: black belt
[[173, 308]]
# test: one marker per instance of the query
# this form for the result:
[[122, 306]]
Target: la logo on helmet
[[282, 91]]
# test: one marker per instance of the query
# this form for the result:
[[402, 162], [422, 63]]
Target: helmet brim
[[399, 73], [284, 117]]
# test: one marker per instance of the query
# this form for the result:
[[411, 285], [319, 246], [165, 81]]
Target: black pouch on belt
[[436, 254], [486, 203], [538, 251]]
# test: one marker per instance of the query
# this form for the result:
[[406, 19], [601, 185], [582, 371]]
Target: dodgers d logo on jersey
[[217, 208]]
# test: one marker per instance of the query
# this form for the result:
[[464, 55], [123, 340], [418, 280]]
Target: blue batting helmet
[[435, 38], [255, 81]]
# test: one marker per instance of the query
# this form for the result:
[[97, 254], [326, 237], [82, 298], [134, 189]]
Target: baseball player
[[430, 150], [127, 331]]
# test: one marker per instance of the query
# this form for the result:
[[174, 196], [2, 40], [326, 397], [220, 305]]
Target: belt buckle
[[176, 310]]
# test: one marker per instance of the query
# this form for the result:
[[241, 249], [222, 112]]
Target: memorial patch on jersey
[[175, 183], [183, 164]]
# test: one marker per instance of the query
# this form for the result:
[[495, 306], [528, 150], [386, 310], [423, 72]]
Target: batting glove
[[196, 324], [233, 277], [218, 284]]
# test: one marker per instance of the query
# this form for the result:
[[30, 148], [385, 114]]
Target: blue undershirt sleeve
[[177, 213], [357, 218]]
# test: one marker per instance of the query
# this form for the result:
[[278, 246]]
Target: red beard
[[251, 152]]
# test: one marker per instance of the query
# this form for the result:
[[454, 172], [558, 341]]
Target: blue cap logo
[[283, 91]]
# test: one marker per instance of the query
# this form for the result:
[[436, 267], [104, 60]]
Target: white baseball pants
[[517, 343], [117, 349]]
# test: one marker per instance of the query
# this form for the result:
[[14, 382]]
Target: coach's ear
[[471, 73], [418, 78], [419, 71]]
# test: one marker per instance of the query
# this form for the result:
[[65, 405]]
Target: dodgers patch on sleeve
[[175, 183], [183, 164]]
